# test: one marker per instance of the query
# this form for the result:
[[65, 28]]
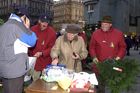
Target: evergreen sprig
[[1, 21], [118, 81]]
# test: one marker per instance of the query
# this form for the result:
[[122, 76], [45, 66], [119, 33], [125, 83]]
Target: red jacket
[[108, 44], [83, 35], [45, 42]]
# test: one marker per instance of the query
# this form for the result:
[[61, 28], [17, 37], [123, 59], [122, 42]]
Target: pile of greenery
[[122, 79], [1, 21]]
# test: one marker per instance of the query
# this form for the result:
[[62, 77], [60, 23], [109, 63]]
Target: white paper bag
[[32, 61]]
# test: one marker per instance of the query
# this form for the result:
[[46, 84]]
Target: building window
[[132, 21], [90, 8]]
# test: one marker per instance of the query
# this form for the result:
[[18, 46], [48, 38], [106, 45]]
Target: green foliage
[[1, 21], [88, 31], [118, 81]]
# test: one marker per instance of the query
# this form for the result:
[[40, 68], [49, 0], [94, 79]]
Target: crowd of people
[[69, 48], [132, 42]]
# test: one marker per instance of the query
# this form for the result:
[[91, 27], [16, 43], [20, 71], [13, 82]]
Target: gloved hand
[[95, 60]]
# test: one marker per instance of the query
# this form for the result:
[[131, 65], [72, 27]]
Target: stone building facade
[[34, 7], [125, 13], [68, 11]]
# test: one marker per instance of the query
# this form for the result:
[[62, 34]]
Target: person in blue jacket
[[15, 38]]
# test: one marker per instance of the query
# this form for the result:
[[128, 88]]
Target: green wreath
[[119, 75]]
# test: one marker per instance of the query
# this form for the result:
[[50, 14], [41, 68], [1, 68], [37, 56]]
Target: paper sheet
[[93, 79]]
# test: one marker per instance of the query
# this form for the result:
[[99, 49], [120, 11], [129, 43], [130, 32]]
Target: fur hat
[[73, 28], [106, 19]]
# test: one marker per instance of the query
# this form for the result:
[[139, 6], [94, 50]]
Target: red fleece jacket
[[108, 44], [45, 42]]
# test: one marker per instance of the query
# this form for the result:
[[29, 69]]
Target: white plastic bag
[[32, 61]]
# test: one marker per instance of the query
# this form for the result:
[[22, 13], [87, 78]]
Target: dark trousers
[[101, 85], [14, 85], [127, 50]]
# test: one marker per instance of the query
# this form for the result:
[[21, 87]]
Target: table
[[40, 86]]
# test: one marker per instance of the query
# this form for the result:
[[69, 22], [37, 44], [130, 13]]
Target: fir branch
[[118, 81]]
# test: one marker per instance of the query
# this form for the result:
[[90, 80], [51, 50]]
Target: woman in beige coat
[[70, 49]]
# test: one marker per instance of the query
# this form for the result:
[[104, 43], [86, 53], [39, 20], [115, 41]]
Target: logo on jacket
[[112, 44], [104, 41], [43, 42]]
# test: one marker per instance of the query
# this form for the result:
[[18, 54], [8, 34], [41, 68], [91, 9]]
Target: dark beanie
[[106, 19], [73, 28], [21, 11], [44, 18]]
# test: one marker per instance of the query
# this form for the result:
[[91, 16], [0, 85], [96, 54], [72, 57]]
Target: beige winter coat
[[63, 49]]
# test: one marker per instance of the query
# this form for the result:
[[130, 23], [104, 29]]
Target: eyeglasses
[[43, 24]]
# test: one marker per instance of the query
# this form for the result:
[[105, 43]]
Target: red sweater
[[108, 44], [45, 42]]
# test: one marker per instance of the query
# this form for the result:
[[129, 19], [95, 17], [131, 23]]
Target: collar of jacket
[[15, 17], [66, 39], [19, 24]]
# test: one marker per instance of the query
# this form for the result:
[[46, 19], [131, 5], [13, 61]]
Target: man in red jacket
[[46, 39], [106, 43]]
